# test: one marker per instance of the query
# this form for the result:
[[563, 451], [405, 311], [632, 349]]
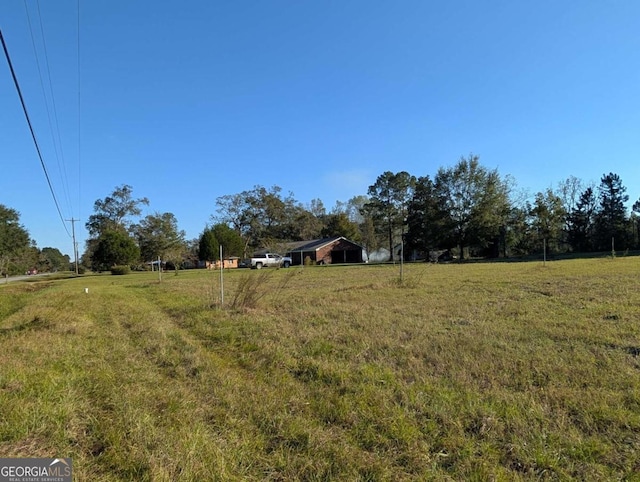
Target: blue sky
[[188, 101]]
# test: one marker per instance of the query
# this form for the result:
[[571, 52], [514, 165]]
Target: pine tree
[[611, 217]]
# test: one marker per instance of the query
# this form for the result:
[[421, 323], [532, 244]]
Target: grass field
[[506, 371]]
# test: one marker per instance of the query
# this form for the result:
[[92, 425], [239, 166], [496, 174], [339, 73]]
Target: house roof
[[314, 244]]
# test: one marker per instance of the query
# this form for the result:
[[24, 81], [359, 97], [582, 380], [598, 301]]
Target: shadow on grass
[[36, 324]]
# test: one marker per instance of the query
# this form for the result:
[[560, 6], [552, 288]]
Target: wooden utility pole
[[75, 245]]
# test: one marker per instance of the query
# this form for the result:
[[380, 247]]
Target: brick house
[[325, 251]]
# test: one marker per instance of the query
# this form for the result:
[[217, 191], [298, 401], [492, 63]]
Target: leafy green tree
[[277, 217], [114, 248], [548, 216], [191, 255], [475, 201], [31, 258], [158, 236], [219, 235], [115, 211], [611, 216], [388, 200], [356, 211], [232, 210], [340, 225], [232, 244], [51, 259], [271, 211], [261, 216], [302, 223], [518, 232], [14, 243], [425, 218], [306, 225]]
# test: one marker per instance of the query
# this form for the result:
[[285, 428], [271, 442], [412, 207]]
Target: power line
[[33, 135], [63, 170], [56, 145], [79, 124]]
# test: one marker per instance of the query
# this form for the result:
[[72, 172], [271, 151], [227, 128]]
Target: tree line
[[18, 252], [471, 210], [465, 210], [246, 221]]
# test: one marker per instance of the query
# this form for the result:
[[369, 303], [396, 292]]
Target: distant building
[[325, 251], [227, 263]]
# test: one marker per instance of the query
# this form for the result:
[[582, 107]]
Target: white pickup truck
[[260, 261]]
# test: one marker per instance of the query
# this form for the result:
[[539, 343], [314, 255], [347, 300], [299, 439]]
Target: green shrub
[[124, 269]]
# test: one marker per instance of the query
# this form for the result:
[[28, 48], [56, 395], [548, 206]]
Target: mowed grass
[[460, 372]]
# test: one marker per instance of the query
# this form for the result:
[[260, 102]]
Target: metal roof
[[314, 244]]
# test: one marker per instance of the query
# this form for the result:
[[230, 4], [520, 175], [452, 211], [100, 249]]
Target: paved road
[[4, 280]]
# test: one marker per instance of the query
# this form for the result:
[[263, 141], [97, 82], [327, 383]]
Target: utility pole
[[75, 245]]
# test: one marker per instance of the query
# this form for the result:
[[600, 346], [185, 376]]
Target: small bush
[[117, 270], [72, 267], [250, 289]]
